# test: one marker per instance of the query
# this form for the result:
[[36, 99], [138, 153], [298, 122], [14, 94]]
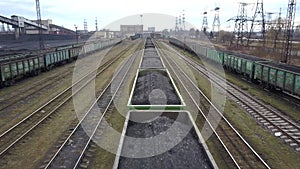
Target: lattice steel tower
[[204, 22], [179, 23], [39, 21], [85, 25], [183, 20], [96, 24], [176, 25], [278, 29], [216, 23], [258, 20], [269, 21], [241, 24], [288, 32]]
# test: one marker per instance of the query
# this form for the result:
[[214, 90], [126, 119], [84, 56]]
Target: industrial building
[[131, 29]]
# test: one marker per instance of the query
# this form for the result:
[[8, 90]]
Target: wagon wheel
[[37, 72], [12, 82]]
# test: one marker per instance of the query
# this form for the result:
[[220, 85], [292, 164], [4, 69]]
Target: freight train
[[267, 73], [16, 67]]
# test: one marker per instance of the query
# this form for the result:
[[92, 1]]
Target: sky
[[68, 13]]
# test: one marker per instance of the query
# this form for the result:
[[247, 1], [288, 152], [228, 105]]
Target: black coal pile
[[151, 62], [188, 154], [154, 87]]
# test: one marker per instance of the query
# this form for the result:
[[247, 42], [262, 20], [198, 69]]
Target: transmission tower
[[183, 20], [204, 23], [176, 25], [241, 24], [96, 24], [258, 20], [216, 23], [39, 21], [278, 29], [85, 26], [179, 22], [269, 22], [288, 32]]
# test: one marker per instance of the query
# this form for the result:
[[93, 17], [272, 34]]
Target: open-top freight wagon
[[15, 67], [265, 72], [276, 75]]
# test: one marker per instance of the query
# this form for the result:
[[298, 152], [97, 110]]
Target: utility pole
[[288, 34], [39, 21]]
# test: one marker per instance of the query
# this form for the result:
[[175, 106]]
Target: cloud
[[14, 7], [70, 12]]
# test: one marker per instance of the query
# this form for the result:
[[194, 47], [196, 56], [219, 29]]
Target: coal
[[149, 46], [150, 52], [188, 153], [157, 85], [149, 43], [283, 66], [151, 62]]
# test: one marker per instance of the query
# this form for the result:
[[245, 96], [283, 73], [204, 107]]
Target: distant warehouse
[[131, 29]]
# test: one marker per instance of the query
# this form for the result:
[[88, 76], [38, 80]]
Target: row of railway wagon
[[157, 120], [268, 73], [16, 67]]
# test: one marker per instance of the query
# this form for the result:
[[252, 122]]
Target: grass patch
[[285, 106], [269, 147], [101, 157], [31, 151]]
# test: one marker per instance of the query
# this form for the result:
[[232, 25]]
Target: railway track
[[6, 102], [17, 132], [241, 154], [271, 119], [70, 155], [9, 101]]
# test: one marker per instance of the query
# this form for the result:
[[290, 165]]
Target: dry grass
[[268, 146], [257, 49], [102, 158], [35, 148]]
